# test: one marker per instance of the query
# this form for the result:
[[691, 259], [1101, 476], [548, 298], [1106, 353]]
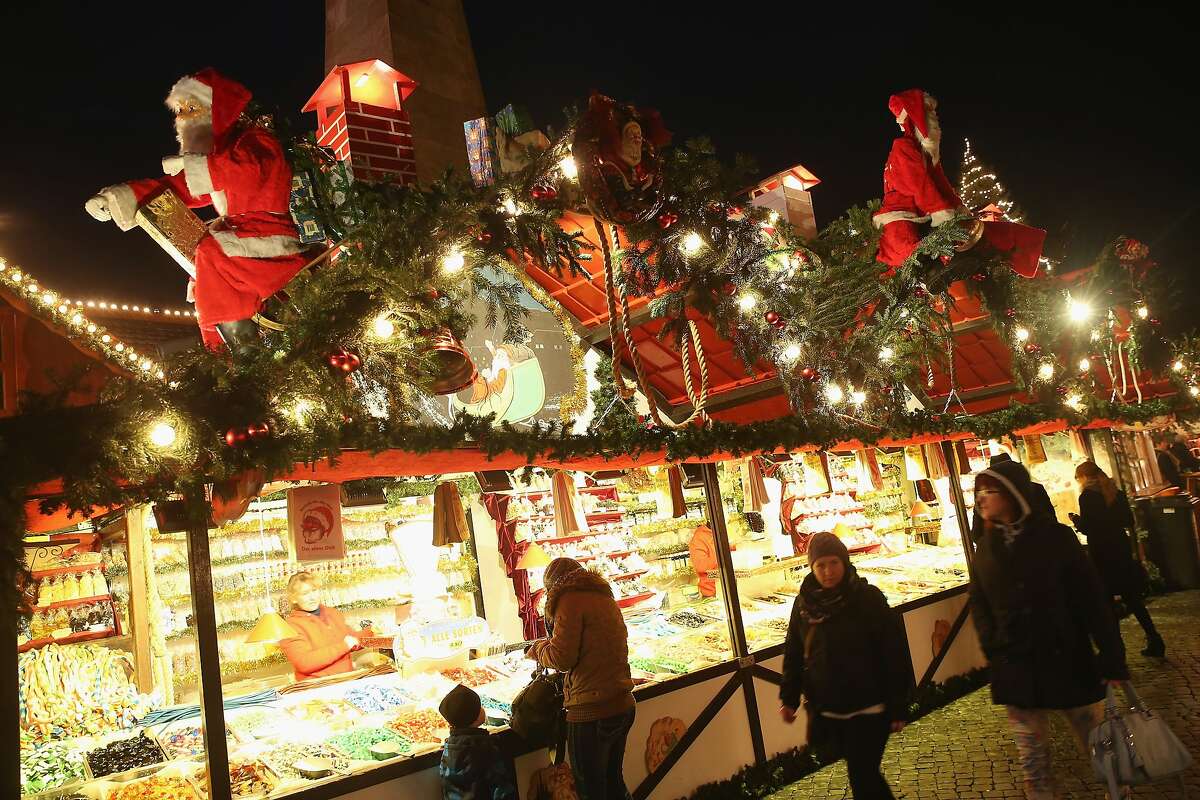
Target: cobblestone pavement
[[965, 751]]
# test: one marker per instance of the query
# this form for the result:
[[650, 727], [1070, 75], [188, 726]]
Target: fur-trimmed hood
[[581, 580]]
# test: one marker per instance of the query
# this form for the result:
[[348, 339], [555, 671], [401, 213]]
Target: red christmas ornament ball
[[780, 324], [919, 291], [887, 388], [667, 219], [258, 430], [1061, 390], [1033, 349], [1011, 313], [730, 289], [771, 317], [809, 374], [1155, 321], [236, 436], [484, 237], [544, 193], [979, 277], [337, 358], [350, 362]]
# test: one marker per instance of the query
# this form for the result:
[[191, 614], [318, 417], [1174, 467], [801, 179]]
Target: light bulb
[[91, 328], [453, 262], [120, 348], [1143, 312], [510, 207], [834, 394], [1177, 366], [791, 352], [858, 397], [49, 297], [1078, 311], [77, 318], [1194, 390], [886, 354], [1095, 336], [1074, 401], [106, 338], [1084, 364], [568, 168], [162, 434], [362, 80], [1046, 371], [772, 217], [300, 411], [1022, 334], [747, 302], [383, 327], [691, 244]]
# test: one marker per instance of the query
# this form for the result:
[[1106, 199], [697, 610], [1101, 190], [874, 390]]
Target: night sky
[[1084, 120]]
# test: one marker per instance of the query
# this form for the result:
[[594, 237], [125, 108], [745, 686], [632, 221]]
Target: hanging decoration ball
[[730, 289], [771, 317], [780, 324], [667, 219], [1062, 390], [259, 430], [484, 237], [1033, 348], [235, 437], [1155, 321], [1011, 313], [337, 358], [351, 363], [979, 277], [544, 193], [887, 388], [945, 260], [919, 291], [809, 374]]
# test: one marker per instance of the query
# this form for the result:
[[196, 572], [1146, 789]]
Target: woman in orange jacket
[[325, 641]]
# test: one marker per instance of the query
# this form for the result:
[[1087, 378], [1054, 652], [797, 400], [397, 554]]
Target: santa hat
[[908, 107], [224, 97]]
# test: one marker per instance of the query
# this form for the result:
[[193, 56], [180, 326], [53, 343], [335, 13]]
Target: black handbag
[[537, 709]]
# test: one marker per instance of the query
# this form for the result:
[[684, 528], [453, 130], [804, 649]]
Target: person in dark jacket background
[[1038, 606], [472, 767], [1105, 518], [1169, 464], [847, 653]]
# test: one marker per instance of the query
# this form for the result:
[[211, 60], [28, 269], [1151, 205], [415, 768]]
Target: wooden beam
[[604, 333], [212, 700], [139, 606]]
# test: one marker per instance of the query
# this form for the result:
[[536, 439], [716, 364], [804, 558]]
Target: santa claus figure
[[252, 249], [916, 191]]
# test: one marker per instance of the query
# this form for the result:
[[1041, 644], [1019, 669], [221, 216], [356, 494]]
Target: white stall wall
[[499, 601], [927, 626]]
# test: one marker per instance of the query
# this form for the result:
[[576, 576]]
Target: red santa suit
[[915, 190], [252, 250]]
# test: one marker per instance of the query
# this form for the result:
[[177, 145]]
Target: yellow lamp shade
[[534, 557], [270, 628], [920, 509], [842, 530]]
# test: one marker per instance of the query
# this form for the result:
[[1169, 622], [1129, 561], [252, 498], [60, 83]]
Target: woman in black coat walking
[[1105, 518], [847, 653], [1038, 606]]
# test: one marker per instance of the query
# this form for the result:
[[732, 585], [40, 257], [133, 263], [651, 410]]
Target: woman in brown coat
[[588, 641]]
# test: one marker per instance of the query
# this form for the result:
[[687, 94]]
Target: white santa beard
[[931, 144], [194, 135]]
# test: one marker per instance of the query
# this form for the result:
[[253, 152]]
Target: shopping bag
[[537, 709], [1133, 745]]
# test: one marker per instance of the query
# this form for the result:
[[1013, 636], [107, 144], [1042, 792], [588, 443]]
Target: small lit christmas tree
[[979, 188]]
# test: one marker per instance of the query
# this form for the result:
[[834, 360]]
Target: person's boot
[[1155, 647], [240, 336]]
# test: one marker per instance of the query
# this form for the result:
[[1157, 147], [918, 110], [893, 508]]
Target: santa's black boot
[[240, 336]]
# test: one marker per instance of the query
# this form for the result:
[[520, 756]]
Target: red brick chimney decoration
[[361, 118]]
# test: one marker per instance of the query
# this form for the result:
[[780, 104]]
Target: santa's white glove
[[98, 208], [172, 165], [191, 291]]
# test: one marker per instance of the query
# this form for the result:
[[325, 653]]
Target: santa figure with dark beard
[[252, 249], [915, 191]]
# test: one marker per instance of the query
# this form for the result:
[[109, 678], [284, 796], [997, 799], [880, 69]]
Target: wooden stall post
[[733, 610], [139, 607], [204, 614], [960, 501]]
